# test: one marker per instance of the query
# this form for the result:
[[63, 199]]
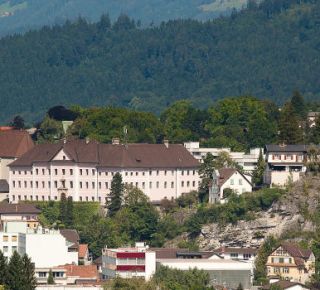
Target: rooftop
[[286, 148], [112, 155], [81, 271], [14, 143], [21, 208]]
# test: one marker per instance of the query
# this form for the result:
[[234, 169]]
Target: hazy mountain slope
[[24, 14], [266, 52]]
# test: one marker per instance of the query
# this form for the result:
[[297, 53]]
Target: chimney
[[166, 143], [115, 141]]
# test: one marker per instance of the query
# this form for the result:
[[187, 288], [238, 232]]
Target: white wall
[[281, 178], [49, 250], [237, 183], [150, 260]]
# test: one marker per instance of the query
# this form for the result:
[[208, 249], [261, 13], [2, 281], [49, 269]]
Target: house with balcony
[[138, 261], [285, 163], [238, 254], [291, 262]]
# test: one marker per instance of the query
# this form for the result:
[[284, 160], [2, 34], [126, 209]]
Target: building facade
[[84, 170], [290, 262], [137, 261], [248, 161], [285, 163], [226, 179]]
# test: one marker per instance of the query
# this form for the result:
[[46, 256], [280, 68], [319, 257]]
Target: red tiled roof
[[71, 236], [295, 251], [83, 250], [14, 143], [81, 271], [111, 155]]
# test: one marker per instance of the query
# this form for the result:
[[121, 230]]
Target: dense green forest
[[267, 50], [22, 15], [237, 123]]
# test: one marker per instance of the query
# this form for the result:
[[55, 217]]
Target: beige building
[[13, 144], [292, 263]]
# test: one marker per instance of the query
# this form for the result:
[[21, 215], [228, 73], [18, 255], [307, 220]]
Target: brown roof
[[71, 236], [83, 250], [284, 284], [295, 251], [226, 173], [22, 208], [236, 250], [111, 155], [14, 143], [167, 253], [81, 271]]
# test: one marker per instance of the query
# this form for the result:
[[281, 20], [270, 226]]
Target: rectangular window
[[157, 184], [71, 184], [43, 171], [37, 184], [165, 184], [137, 173], [188, 183], [136, 184], [25, 184], [56, 184], [80, 171], [99, 185], [188, 172], [143, 185], [150, 172], [126, 174], [5, 239], [193, 172], [172, 184], [43, 184], [14, 183], [231, 181], [106, 184], [56, 171], [80, 184], [87, 172], [165, 172], [37, 171], [193, 183], [182, 183], [14, 238], [240, 181], [93, 172], [131, 173], [63, 172], [157, 172], [150, 184], [71, 171], [93, 185], [87, 185], [182, 172], [49, 184]]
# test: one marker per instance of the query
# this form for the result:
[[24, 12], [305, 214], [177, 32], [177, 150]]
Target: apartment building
[[84, 170], [248, 161], [129, 262], [292, 263], [284, 163]]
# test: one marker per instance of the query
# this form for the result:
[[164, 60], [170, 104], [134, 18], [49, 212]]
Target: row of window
[[281, 260], [287, 157], [93, 172], [92, 185], [6, 249], [43, 198], [6, 238], [232, 182], [278, 270]]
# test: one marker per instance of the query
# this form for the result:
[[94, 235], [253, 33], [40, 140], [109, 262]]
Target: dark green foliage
[[298, 104], [290, 132], [63, 208], [173, 279], [69, 213], [257, 177], [29, 279], [116, 195], [50, 280], [260, 271], [3, 269], [50, 130], [18, 122], [15, 277], [262, 51]]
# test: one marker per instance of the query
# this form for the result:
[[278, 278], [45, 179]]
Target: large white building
[[248, 161], [129, 262], [84, 170], [46, 248]]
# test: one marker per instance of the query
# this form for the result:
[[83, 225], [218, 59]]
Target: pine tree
[[290, 132], [259, 171], [116, 194], [63, 208], [30, 282], [298, 105], [50, 280], [3, 269], [69, 212], [15, 274]]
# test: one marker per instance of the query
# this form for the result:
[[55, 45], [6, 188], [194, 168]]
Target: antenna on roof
[[125, 133]]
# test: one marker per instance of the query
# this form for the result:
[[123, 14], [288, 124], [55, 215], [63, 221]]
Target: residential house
[[19, 212], [242, 254], [248, 161], [84, 170], [138, 261], [286, 285], [84, 255], [13, 144], [285, 163], [226, 179], [291, 262]]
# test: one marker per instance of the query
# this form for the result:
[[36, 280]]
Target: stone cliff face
[[293, 212]]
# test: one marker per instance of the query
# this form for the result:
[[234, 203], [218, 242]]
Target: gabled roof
[[14, 143], [83, 250], [21, 208], [81, 271], [113, 155], [226, 173], [284, 284], [71, 236], [286, 148]]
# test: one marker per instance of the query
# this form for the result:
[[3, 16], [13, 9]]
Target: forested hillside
[[266, 51], [21, 15]]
